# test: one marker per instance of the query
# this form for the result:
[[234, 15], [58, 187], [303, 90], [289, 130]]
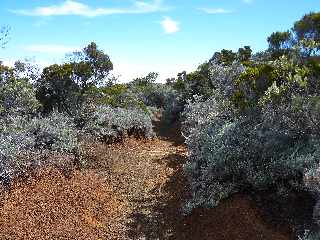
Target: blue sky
[[142, 36]]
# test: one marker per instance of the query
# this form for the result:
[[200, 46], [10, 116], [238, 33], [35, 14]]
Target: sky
[[142, 36]]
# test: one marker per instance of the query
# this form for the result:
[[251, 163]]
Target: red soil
[[129, 191]]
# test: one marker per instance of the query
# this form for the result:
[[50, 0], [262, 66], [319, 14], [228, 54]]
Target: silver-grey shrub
[[17, 97], [23, 139], [269, 147], [112, 124], [55, 132], [230, 153], [223, 77], [173, 106]]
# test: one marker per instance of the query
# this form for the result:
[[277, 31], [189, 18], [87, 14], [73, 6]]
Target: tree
[[307, 31], [308, 27], [57, 88], [244, 54], [225, 57], [6, 73], [27, 70], [91, 66], [198, 82], [148, 79], [170, 81], [65, 87], [280, 43]]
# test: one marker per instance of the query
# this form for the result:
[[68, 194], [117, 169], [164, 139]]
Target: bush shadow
[[238, 217], [164, 220]]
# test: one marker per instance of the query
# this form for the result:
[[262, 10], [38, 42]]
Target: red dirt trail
[[133, 190]]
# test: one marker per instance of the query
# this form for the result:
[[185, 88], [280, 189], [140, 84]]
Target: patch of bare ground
[[50, 206]]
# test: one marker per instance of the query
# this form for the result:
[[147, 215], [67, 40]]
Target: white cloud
[[215, 10], [50, 48], [73, 7], [170, 26]]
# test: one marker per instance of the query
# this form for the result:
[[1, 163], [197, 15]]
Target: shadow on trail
[[160, 217], [237, 218], [163, 220], [169, 131]]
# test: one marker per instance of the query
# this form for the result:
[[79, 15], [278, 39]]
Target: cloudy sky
[[166, 36]]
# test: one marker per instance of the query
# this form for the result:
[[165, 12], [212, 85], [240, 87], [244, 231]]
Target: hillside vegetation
[[84, 156]]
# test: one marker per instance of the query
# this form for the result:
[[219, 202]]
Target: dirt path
[[130, 191]]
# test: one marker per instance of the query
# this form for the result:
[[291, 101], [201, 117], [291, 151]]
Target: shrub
[[27, 142], [17, 97], [223, 78], [174, 105], [267, 146], [112, 124], [309, 235], [55, 132], [156, 95]]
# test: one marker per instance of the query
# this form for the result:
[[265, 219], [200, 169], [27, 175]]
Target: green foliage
[[26, 70], [144, 81], [244, 54], [6, 73], [91, 66], [65, 87], [228, 57], [235, 153], [186, 86], [198, 82], [225, 57], [259, 129], [308, 27], [57, 89], [280, 43], [112, 95], [155, 95]]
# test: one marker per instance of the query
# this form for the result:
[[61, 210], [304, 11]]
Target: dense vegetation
[[45, 114], [254, 125], [251, 121]]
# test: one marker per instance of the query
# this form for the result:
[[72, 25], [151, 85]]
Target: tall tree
[[57, 89], [307, 31], [91, 66], [65, 86], [308, 27], [280, 43]]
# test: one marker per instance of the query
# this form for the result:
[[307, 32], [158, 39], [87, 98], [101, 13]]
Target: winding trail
[[128, 191]]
